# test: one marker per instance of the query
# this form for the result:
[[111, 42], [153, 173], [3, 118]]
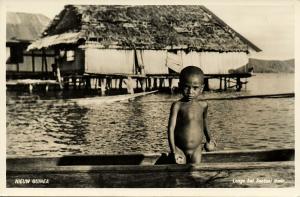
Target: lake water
[[60, 127]]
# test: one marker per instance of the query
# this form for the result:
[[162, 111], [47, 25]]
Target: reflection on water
[[61, 127]]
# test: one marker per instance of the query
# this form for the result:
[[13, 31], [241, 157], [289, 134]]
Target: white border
[[150, 192]]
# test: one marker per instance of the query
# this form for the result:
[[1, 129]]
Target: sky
[[270, 25]]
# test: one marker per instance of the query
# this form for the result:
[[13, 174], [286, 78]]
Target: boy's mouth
[[189, 97]]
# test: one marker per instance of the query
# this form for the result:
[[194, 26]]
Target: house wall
[[113, 61], [109, 61], [26, 65], [209, 62], [154, 61], [75, 65]]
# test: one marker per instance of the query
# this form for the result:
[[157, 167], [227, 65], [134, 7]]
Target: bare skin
[[188, 122]]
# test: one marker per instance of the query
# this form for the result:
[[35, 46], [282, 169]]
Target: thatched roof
[[187, 27], [24, 27]]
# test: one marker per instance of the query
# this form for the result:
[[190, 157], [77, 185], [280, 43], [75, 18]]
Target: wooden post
[[225, 83], [155, 83], [18, 67], [103, 86], [220, 88], [66, 83], [33, 63], [150, 87], [96, 83], [143, 82], [238, 84], [87, 82], [171, 85], [58, 63], [206, 84], [45, 60], [59, 77], [161, 82], [120, 83], [74, 82], [46, 88], [30, 88], [129, 83], [116, 83]]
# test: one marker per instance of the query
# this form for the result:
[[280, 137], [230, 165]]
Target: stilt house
[[21, 30], [144, 39]]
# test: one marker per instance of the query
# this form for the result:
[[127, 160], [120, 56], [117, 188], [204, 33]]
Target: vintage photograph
[[150, 95]]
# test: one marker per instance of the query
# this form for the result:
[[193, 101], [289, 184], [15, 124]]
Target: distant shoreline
[[272, 66]]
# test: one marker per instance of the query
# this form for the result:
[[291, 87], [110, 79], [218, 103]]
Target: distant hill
[[272, 66]]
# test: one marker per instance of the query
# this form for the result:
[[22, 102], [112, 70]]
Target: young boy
[[188, 119]]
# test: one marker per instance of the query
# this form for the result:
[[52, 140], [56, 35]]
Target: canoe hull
[[157, 178], [237, 169]]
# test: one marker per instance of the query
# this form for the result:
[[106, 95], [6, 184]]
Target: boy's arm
[[205, 121], [171, 126]]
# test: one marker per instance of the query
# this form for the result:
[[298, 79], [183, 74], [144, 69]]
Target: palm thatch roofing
[[24, 27], [187, 27]]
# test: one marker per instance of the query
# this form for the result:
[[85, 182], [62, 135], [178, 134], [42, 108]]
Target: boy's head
[[191, 80]]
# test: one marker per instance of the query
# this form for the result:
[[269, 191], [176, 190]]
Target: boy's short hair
[[189, 71]]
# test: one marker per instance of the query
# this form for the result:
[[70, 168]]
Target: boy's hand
[[179, 156], [210, 146]]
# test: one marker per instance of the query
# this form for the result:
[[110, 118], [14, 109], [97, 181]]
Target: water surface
[[61, 127]]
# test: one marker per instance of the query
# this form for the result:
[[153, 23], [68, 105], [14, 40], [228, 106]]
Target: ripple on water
[[45, 128]]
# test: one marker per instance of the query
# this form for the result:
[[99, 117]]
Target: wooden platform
[[132, 82]]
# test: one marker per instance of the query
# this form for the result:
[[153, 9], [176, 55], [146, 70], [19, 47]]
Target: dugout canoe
[[246, 168]]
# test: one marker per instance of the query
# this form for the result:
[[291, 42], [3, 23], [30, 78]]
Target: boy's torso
[[189, 125]]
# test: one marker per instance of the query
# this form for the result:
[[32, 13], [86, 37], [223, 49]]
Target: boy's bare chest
[[191, 111]]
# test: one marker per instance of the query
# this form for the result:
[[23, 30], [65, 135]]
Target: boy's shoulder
[[204, 104], [176, 104]]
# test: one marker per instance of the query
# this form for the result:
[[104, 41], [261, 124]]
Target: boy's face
[[191, 87]]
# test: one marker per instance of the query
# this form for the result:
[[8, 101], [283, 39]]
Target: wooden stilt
[[171, 85], [120, 84], [30, 88], [116, 83], [206, 84], [66, 82], [99, 82], [150, 87], [88, 83], [45, 60], [143, 84], [220, 88], [74, 82], [59, 78], [129, 83], [161, 83], [238, 84], [155, 83], [103, 86], [225, 83], [33, 62], [95, 83]]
